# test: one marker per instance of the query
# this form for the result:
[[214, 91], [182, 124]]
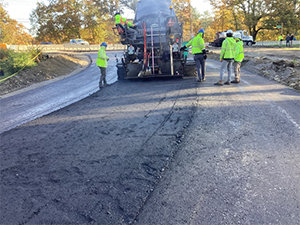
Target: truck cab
[[246, 38]]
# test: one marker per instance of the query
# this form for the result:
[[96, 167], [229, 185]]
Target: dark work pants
[[102, 76], [200, 63]]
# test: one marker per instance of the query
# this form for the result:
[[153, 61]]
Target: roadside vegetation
[[12, 62]]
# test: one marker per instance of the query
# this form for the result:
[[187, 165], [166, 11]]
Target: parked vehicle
[[78, 42], [246, 38], [46, 43], [220, 37]]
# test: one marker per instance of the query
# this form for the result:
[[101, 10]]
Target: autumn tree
[[12, 32], [258, 15], [206, 22]]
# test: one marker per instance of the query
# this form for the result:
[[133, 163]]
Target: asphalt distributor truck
[[156, 30]]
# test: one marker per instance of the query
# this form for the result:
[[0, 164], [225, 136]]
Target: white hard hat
[[229, 32], [237, 35]]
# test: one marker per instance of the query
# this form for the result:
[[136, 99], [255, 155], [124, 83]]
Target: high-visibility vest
[[122, 20], [239, 52], [102, 58], [197, 44], [228, 48]]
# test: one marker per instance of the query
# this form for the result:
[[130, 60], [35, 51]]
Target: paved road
[[26, 106], [239, 163], [159, 151]]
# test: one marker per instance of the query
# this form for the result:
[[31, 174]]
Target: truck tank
[[154, 38]]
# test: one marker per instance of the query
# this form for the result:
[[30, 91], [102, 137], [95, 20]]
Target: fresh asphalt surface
[[159, 151], [26, 106]]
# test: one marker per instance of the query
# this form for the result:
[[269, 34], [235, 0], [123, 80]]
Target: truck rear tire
[[121, 73], [249, 43]]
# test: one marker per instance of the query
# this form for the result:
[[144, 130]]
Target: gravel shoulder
[[54, 66]]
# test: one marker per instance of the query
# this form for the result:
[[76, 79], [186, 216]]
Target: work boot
[[219, 83], [199, 81], [203, 79], [235, 81], [227, 83]]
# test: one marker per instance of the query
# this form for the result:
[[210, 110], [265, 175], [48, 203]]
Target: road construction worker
[[102, 64], [122, 20], [292, 39], [227, 57], [238, 57], [175, 49], [280, 39], [127, 25], [287, 39], [131, 53], [199, 52]]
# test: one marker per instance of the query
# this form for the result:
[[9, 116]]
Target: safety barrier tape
[[4, 79]]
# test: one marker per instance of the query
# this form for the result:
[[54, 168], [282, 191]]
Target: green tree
[[57, 22], [60, 21]]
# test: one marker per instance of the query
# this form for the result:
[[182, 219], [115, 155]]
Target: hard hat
[[117, 13], [237, 35], [103, 44], [201, 31], [229, 32]]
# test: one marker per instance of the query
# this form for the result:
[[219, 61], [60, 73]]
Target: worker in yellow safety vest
[[227, 57], [199, 52], [127, 25], [122, 20], [238, 58], [280, 39], [102, 64]]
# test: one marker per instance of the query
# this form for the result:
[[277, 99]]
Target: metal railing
[[273, 43], [65, 47], [90, 48]]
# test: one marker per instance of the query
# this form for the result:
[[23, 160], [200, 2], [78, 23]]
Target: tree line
[[12, 32], [92, 20]]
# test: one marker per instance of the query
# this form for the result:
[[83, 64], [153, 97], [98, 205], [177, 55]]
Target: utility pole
[[281, 28], [191, 24]]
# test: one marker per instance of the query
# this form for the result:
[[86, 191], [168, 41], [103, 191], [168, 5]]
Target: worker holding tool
[[199, 52], [227, 57], [238, 58], [102, 64]]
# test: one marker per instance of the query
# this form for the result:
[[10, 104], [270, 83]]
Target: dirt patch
[[53, 66], [283, 71], [283, 67]]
